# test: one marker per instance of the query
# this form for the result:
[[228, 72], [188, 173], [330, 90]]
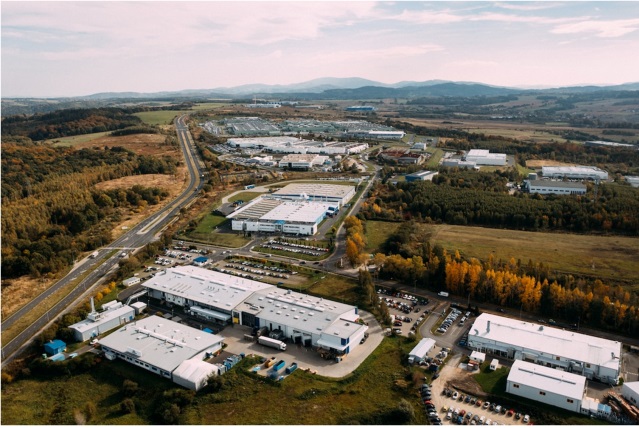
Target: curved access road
[[138, 236]]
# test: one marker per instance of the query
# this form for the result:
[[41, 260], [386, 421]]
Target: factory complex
[[295, 209], [255, 126], [589, 356], [177, 352], [284, 144]]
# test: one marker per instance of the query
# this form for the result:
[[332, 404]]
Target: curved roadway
[[135, 238]]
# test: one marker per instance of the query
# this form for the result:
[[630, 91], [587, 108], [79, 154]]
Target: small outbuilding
[[630, 391], [194, 373], [139, 307], [478, 357], [55, 347], [419, 352], [201, 261], [131, 281], [494, 364]]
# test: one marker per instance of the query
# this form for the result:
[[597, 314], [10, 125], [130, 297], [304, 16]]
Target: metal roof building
[[161, 346], [421, 176], [114, 315], [546, 187], [266, 214], [205, 293], [593, 357], [574, 172], [484, 157], [421, 349], [314, 191], [305, 319], [546, 385]]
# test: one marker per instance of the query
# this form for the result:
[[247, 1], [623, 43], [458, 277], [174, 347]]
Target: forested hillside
[[51, 210], [64, 123]]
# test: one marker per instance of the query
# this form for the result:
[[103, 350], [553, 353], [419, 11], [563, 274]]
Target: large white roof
[[545, 170], [422, 348], [564, 343], [548, 379], [307, 313], [105, 317], [316, 190], [298, 211], [205, 286], [162, 343]]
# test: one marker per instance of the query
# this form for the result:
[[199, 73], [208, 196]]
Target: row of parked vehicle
[[463, 417], [429, 407], [450, 319]]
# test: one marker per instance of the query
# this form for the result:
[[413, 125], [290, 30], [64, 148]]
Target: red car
[[510, 412]]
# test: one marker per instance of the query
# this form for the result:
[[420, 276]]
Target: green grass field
[[607, 257], [245, 196], [433, 162]]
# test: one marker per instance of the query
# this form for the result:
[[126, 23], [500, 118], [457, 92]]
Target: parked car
[[455, 395], [510, 412], [526, 419], [517, 415], [488, 422]]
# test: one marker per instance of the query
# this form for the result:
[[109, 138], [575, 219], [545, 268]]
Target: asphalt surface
[[135, 238]]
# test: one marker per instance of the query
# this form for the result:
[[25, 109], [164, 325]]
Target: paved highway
[[135, 238]]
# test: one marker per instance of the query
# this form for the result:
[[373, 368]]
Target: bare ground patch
[[142, 144], [538, 163], [19, 291]]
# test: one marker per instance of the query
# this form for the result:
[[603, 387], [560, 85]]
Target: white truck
[[94, 255], [273, 343], [442, 294]]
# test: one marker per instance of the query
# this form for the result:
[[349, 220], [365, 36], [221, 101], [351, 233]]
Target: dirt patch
[[538, 163], [141, 144]]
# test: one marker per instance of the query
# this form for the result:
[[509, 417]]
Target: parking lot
[[407, 311], [306, 358]]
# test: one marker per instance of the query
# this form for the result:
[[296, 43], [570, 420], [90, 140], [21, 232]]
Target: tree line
[[449, 199], [527, 286]]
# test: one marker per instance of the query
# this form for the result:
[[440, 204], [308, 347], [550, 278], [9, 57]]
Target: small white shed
[[131, 281], [494, 364], [478, 357]]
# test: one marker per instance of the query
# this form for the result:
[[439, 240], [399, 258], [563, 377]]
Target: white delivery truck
[[273, 343], [94, 255], [442, 294]]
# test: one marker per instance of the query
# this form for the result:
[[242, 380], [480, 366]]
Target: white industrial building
[[113, 315], [421, 176], [316, 192], [210, 295], [630, 391], [166, 348], [547, 187], [546, 385], [266, 214], [304, 319], [574, 172], [458, 163], [299, 161], [418, 353], [592, 357], [484, 157]]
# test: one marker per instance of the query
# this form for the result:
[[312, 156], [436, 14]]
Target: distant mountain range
[[358, 88]]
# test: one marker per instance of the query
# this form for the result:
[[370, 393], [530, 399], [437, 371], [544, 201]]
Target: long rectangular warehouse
[[574, 172], [592, 357], [315, 191]]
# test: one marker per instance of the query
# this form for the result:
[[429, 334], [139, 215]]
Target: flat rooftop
[[547, 379], [308, 313], [316, 190], [297, 211], [160, 342], [205, 286], [561, 184], [569, 169], [105, 316], [564, 343], [256, 208]]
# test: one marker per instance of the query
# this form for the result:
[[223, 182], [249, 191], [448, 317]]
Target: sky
[[66, 49]]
